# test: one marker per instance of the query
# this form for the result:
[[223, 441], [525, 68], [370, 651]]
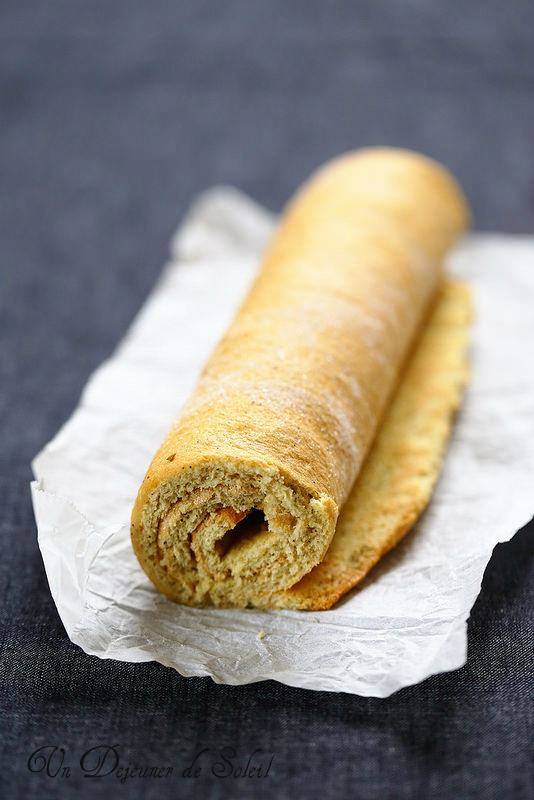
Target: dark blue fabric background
[[114, 115]]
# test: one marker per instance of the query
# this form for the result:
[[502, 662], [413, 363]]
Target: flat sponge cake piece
[[402, 468]]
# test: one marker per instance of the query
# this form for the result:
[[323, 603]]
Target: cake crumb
[[261, 635], [314, 619]]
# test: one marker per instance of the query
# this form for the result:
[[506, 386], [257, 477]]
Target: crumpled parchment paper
[[408, 618]]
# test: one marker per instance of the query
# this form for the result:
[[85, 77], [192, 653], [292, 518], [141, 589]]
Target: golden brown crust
[[289, 403]]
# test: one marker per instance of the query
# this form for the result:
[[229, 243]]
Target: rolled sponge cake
[[243, 496]]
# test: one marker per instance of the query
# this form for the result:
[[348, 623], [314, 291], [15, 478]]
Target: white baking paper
[[408, 619]]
